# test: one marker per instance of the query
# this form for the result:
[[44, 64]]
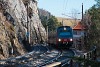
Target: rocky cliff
[[25, 14], [19, 21], [9, 45]]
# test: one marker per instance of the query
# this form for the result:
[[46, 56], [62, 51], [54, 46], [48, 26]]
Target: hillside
[[68, 21]]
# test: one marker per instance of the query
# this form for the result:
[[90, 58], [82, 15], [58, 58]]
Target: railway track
[[39, 57], [62, 59], [24, 59], [53, 58]]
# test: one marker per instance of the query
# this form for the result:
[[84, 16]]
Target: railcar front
[[64, 37]]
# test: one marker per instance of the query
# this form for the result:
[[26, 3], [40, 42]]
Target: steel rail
[[63, 62], [52, 60]]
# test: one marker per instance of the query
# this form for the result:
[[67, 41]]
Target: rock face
[[25, 14], [19, 20], [9, 44]]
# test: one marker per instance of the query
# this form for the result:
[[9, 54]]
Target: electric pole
[[27, 33], [82, 12], [27, 25], [30, 16], [47, 29], [82, 29]]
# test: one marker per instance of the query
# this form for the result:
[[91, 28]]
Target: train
[[62, 37]]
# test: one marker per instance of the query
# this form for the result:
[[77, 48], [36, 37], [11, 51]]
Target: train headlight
[[59, 39], [71, 39]]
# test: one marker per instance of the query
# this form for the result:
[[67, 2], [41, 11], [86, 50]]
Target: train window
[[78, 32], [64, 33], [75, 32]]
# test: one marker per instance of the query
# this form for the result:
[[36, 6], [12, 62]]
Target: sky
[[66, 8]]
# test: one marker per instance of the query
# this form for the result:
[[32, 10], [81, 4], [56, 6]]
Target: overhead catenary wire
[[65, 5]]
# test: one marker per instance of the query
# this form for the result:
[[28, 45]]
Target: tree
[[98, 3], [48, 19], [93, 25], [53, 23], [44, 21]]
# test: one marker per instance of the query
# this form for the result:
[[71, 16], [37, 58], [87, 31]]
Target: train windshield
[[64, 33]]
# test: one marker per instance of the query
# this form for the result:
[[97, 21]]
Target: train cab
[[64, 36]]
